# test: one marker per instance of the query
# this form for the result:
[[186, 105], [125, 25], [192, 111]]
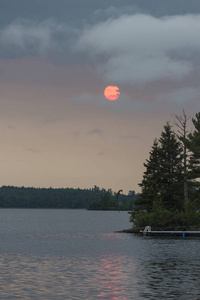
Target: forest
[[170, 188], [117, 201], [30, 197]]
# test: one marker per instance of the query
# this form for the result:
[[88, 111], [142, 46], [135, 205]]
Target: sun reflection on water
[[61, 278], [111, 278]]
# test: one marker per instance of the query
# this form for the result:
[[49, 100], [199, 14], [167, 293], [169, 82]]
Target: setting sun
[[112, 92]]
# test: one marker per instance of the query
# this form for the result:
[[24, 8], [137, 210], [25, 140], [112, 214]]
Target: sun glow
[[112, 92]]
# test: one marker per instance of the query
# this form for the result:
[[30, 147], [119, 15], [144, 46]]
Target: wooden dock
[[172, 233]]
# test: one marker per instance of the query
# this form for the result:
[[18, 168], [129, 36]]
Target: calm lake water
[[76, 254]]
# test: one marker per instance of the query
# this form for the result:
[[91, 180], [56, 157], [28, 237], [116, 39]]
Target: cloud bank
[[130, 49], [141, 48], [24, 37]]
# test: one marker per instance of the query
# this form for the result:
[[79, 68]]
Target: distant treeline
[[29, 197]]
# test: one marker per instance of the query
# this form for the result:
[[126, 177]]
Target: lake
[[76, 254]]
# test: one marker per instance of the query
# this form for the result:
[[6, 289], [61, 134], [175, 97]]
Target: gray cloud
[[75, 133], [105, 13], [142, 48], [25, 37], [101, 153], [131, 49], [184, 94], [10, 127], [95, 131]]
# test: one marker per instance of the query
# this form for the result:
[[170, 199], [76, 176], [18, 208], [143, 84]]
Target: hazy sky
[[57, 57]]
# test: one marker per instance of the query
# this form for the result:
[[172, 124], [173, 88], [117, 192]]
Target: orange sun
[[112, 92]]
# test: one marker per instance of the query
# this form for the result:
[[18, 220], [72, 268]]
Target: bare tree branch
[[181, 123]]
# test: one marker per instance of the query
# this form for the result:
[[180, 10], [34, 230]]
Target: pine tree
[[171, 181], [161, 202], [163, 178], [194, 148], [150, 182]]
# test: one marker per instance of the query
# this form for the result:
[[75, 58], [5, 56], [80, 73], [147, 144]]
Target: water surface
[[76, 254]]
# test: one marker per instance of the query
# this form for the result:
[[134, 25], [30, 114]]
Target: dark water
[[75, 254]]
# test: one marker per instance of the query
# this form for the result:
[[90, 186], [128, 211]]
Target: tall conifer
[[150, 182], [194, 148], [163, 178], [171, 181]]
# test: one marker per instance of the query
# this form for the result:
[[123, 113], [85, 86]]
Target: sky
[[56, 59]]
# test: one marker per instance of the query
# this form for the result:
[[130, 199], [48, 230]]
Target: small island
[[170, 189]]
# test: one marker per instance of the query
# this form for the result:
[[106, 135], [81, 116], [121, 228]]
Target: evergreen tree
[[150, 182], [163, 175], [161, 203], [171, 180], [194, 148]]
